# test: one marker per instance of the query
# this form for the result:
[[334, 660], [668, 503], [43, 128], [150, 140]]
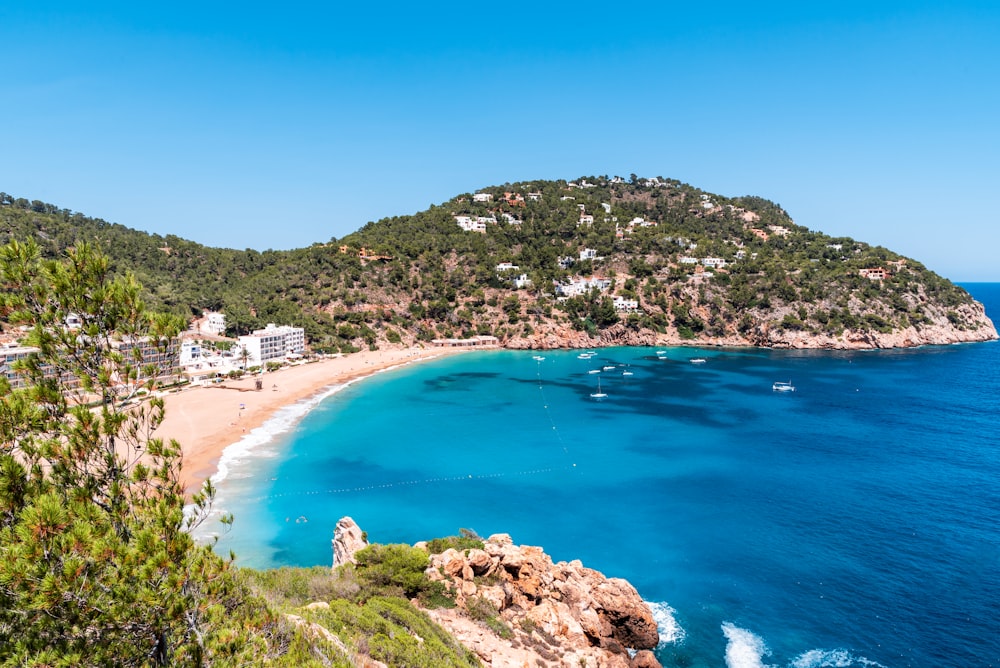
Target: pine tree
[[96, 565]]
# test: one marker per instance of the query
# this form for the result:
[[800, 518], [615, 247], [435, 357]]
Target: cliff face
[[515, 608], [558, 614], [939, 328]]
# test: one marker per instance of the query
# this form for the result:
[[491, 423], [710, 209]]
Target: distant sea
[[852, 522]]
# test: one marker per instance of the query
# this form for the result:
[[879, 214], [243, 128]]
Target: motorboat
[[783, 386]]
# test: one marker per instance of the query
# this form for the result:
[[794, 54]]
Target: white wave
[[671, 633], [745, 649], [835, 658]]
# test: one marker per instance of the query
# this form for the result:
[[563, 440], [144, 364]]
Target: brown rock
[[347, 539], [645, 659]]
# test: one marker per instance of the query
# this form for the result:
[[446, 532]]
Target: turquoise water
[[855, 521]]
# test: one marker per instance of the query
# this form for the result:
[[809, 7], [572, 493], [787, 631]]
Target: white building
[[623, 305], [583, 286], [586, 219], [686, 259], [9, 354], [273, 343], [507, 266], [522, 281], [469, 224], [589, 254], [482, 197], [213, 323], [716, 262], [190, 352]]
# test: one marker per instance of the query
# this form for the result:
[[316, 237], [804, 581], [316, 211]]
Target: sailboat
[[598, 394]]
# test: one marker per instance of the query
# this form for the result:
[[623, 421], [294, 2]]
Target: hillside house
[[623, 305], [482, 197], [522, 281], [874, 274], [582, 286]]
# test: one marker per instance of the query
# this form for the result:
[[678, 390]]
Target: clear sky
[[278, 125]]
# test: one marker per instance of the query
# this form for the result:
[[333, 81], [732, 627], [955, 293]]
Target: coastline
[[206, 420]]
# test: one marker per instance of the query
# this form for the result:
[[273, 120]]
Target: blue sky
[[279, 125]]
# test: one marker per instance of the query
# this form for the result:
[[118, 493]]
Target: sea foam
[[836, 658], [671, 633], [745, 649]]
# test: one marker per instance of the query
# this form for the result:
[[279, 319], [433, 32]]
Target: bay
[[854, 521]]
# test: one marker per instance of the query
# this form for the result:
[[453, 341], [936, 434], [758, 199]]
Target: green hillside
[[424, 277]]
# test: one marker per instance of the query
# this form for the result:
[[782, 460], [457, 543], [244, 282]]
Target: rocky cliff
[[516, 608], [964, 323]]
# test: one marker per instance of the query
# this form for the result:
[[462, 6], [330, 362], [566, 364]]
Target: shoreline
[[207, 420]]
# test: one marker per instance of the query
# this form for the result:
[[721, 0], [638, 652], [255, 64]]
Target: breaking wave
[[670, 631], [744, 649]]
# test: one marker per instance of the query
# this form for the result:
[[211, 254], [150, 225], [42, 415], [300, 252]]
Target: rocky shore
[[940, 330], [545, 613]]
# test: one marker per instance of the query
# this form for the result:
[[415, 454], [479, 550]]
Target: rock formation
[[347, 539], [553, 614]]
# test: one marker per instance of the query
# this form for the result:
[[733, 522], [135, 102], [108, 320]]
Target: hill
[[541, 264]]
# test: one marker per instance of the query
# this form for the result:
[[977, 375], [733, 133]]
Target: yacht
[[782, 386]]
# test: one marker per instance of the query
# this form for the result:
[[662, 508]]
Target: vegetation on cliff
[[699, 267]]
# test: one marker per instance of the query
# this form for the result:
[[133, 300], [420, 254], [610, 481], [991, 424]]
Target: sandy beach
[[205, 420]]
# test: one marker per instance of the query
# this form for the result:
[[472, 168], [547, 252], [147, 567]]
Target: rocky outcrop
[[964, 323], [556, 614], [347, 539]]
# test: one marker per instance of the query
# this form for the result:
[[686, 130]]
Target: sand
[[205, 420]]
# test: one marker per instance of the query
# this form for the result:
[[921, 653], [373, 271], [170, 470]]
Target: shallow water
[[855, 521]]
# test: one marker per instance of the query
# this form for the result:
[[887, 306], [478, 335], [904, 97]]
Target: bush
[[466, 540]]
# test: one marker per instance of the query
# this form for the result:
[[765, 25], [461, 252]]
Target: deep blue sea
[[852, 522]]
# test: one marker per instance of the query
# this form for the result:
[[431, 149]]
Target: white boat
[[661, 352], [585, 356], [594, 371], [698, 360], [537, 358], [598, 394], [782, 386], [609, 367], [626, 372]]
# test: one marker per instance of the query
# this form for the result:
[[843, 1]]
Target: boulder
[[347, 539]]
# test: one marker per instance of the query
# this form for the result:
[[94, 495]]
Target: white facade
[[213, 323], [274, 343], [583, 286], [190, 353], [468, 224], [623, 305], [482, 197]]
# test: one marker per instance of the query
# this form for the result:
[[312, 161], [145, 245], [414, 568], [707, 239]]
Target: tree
[[96, 567]]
